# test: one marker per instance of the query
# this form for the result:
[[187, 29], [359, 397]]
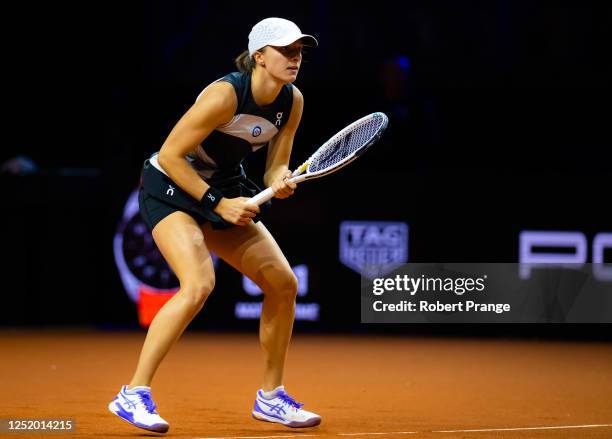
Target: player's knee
[[284, 284], [197, 291]]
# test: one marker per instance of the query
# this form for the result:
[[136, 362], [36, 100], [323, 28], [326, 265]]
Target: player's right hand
[[237, 210]]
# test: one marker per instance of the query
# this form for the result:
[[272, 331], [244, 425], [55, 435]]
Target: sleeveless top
[[251, 128]]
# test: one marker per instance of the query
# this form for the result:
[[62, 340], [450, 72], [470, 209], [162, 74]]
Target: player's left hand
[[282, 187]]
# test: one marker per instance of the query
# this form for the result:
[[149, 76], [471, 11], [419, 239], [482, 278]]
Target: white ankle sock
[[135, 389], [272, 393]]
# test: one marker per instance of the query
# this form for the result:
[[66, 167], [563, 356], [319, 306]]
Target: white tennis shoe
[[136, 406], [283, 409]]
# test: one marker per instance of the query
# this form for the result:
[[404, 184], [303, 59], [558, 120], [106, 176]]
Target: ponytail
[[244, 62]]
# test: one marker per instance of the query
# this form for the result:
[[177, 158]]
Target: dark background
[[499, 122]]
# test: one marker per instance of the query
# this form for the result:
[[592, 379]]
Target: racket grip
[[268, 194], [262, 197]]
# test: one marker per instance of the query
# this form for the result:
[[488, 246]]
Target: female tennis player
[[194, 197]]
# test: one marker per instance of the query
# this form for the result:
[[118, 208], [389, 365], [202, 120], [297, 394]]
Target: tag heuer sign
[[373, 248]]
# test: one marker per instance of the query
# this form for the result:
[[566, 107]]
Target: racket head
[[346, 145]]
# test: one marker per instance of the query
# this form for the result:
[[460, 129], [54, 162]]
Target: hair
[[245, 63]]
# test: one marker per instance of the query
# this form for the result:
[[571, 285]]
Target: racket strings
[[345, 144]]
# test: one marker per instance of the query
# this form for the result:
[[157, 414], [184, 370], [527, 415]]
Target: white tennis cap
[[275, 31]]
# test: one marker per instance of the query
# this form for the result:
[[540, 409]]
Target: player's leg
[[253, 251], [181, 242]]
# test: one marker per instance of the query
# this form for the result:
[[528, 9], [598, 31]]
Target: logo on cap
[[256, 131]]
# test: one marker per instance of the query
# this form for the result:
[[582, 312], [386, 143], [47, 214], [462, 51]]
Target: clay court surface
[[363, 387]]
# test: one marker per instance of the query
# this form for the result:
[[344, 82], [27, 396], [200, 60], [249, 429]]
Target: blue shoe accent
[[288, 400], [124, 414], [259, 410]]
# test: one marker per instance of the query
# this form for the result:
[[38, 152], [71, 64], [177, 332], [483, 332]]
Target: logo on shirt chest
[[279, 118]]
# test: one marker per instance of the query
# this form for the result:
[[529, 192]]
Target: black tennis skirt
[[159, 196]]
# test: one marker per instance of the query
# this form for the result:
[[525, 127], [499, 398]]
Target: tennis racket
[[337, 152]]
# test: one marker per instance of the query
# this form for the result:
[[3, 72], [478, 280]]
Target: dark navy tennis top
[[252, 127]]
